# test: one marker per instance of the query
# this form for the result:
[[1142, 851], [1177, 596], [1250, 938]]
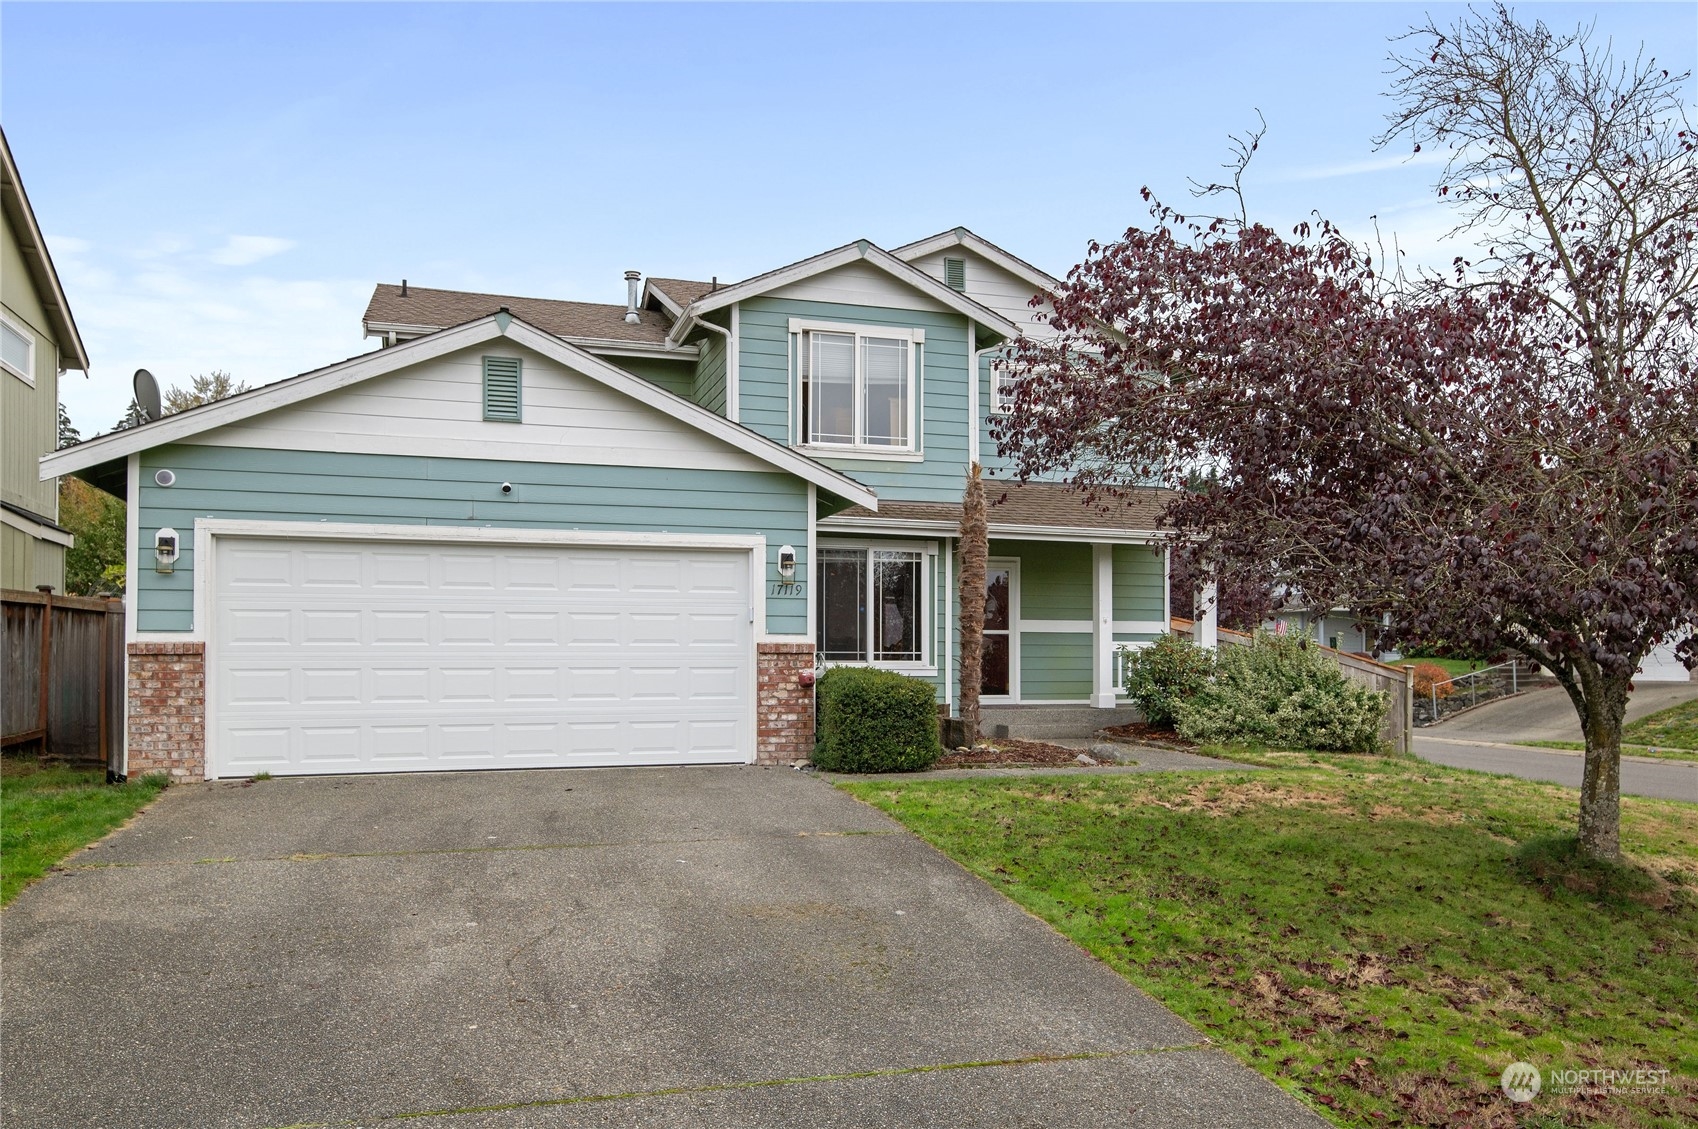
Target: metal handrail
[[1474, 675]]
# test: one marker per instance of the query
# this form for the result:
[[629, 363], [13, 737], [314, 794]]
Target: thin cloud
[[1360, 168], [241, 250]]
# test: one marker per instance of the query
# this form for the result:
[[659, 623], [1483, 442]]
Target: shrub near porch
[[1379, 935]]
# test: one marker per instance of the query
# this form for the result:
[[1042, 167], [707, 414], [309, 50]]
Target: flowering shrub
[[1165, 673]]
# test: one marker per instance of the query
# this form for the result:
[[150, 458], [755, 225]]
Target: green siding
[[763, 383], [677, 377], [233, 482], [1055, 578], [1140, 580], [710, 372], [1055, 666]]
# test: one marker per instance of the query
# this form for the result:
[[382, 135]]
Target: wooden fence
[[63, 659], [1397, 682]]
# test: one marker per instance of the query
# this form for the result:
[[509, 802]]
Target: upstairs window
[[858, 387], [1002, 384], [17, 350], [502, 389]]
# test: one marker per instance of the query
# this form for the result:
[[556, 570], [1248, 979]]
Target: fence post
[[44, 701], [1409, 709]]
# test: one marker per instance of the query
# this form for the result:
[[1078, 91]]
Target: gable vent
[[501, 389], [955, 274]]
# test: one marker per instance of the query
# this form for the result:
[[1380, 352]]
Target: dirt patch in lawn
[[1011, 752]]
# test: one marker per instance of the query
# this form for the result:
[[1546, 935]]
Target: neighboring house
[[531, 532], [38, 342], [1338, 628]]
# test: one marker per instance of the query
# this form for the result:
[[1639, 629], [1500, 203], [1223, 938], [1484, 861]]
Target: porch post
[[1208, 617], [1102, 626]]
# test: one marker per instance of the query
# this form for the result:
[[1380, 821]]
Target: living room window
[[871, 605], [858, 387]]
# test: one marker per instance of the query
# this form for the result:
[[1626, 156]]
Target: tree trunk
[[1600, 783], [974, 549]]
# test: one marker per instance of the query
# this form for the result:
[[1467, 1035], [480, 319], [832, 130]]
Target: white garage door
[[340, 656]]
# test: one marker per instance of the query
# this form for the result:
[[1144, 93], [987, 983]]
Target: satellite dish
[[147, 395]]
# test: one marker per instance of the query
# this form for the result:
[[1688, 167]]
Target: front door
[[997, 677]]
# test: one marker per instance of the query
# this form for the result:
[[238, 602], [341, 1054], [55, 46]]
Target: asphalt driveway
[[679, 947]]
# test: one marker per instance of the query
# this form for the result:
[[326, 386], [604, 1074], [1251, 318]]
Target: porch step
[[1038, 722]]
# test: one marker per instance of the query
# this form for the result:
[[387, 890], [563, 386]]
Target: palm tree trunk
[[975, 548]]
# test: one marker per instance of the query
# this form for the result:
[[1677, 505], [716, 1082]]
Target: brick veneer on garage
[[167, 705], [784, 712]]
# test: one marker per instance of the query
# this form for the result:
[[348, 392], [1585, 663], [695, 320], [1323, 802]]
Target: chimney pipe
[[403, 288], [631, 277]]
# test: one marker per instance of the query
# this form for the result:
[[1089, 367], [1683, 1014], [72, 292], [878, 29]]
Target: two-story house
[[535, 532], [38, 342]]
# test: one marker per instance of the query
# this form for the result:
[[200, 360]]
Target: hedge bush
[[1281, 691], [1165, 673], [875, 721]]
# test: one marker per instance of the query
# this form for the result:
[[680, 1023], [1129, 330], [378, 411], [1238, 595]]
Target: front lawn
[[48, 811], [1380, 936], [1675, 727], [1452, 667]]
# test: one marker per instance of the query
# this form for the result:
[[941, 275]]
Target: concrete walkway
[[1487, 739], [679, 947]]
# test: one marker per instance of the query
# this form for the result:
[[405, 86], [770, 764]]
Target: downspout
[[730, 355], [975, 357]]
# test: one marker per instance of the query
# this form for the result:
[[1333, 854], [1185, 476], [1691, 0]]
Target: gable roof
[[673, 294], [860, 250], [21, 216], [984, 248], [428, 310], [173, 428]]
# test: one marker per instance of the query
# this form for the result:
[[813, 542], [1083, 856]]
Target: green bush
[[1282, 692], [1165, 673], [875, 721]]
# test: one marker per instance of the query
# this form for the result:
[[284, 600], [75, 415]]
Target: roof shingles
[[439, 309], [1042, 504]]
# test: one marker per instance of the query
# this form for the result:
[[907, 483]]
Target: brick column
[[784, 709], [167, 710]]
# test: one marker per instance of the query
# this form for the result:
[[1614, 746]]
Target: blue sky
[[221, 184]]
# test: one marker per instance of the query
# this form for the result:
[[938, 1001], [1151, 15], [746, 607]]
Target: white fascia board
[[604, 346], [380, 362], [831, 260], [984, 248], [37, 530], [1007, 532]]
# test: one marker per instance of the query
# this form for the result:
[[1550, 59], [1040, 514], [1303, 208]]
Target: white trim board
[[909, 526], [183, 425], [36, 529], [962, 237], [831, 260]]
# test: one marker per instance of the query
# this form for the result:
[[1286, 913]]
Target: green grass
[[1675, 727], [48, 811], [1452, 667], [1379, 935], [1660, 752]]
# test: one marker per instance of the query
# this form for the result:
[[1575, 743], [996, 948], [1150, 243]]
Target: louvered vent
[[955, 273], [501, 389]]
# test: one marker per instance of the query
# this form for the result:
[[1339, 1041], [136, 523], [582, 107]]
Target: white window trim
[[29, 336], [927, 665], [916, 338], [999, 403], [1012, 564]]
